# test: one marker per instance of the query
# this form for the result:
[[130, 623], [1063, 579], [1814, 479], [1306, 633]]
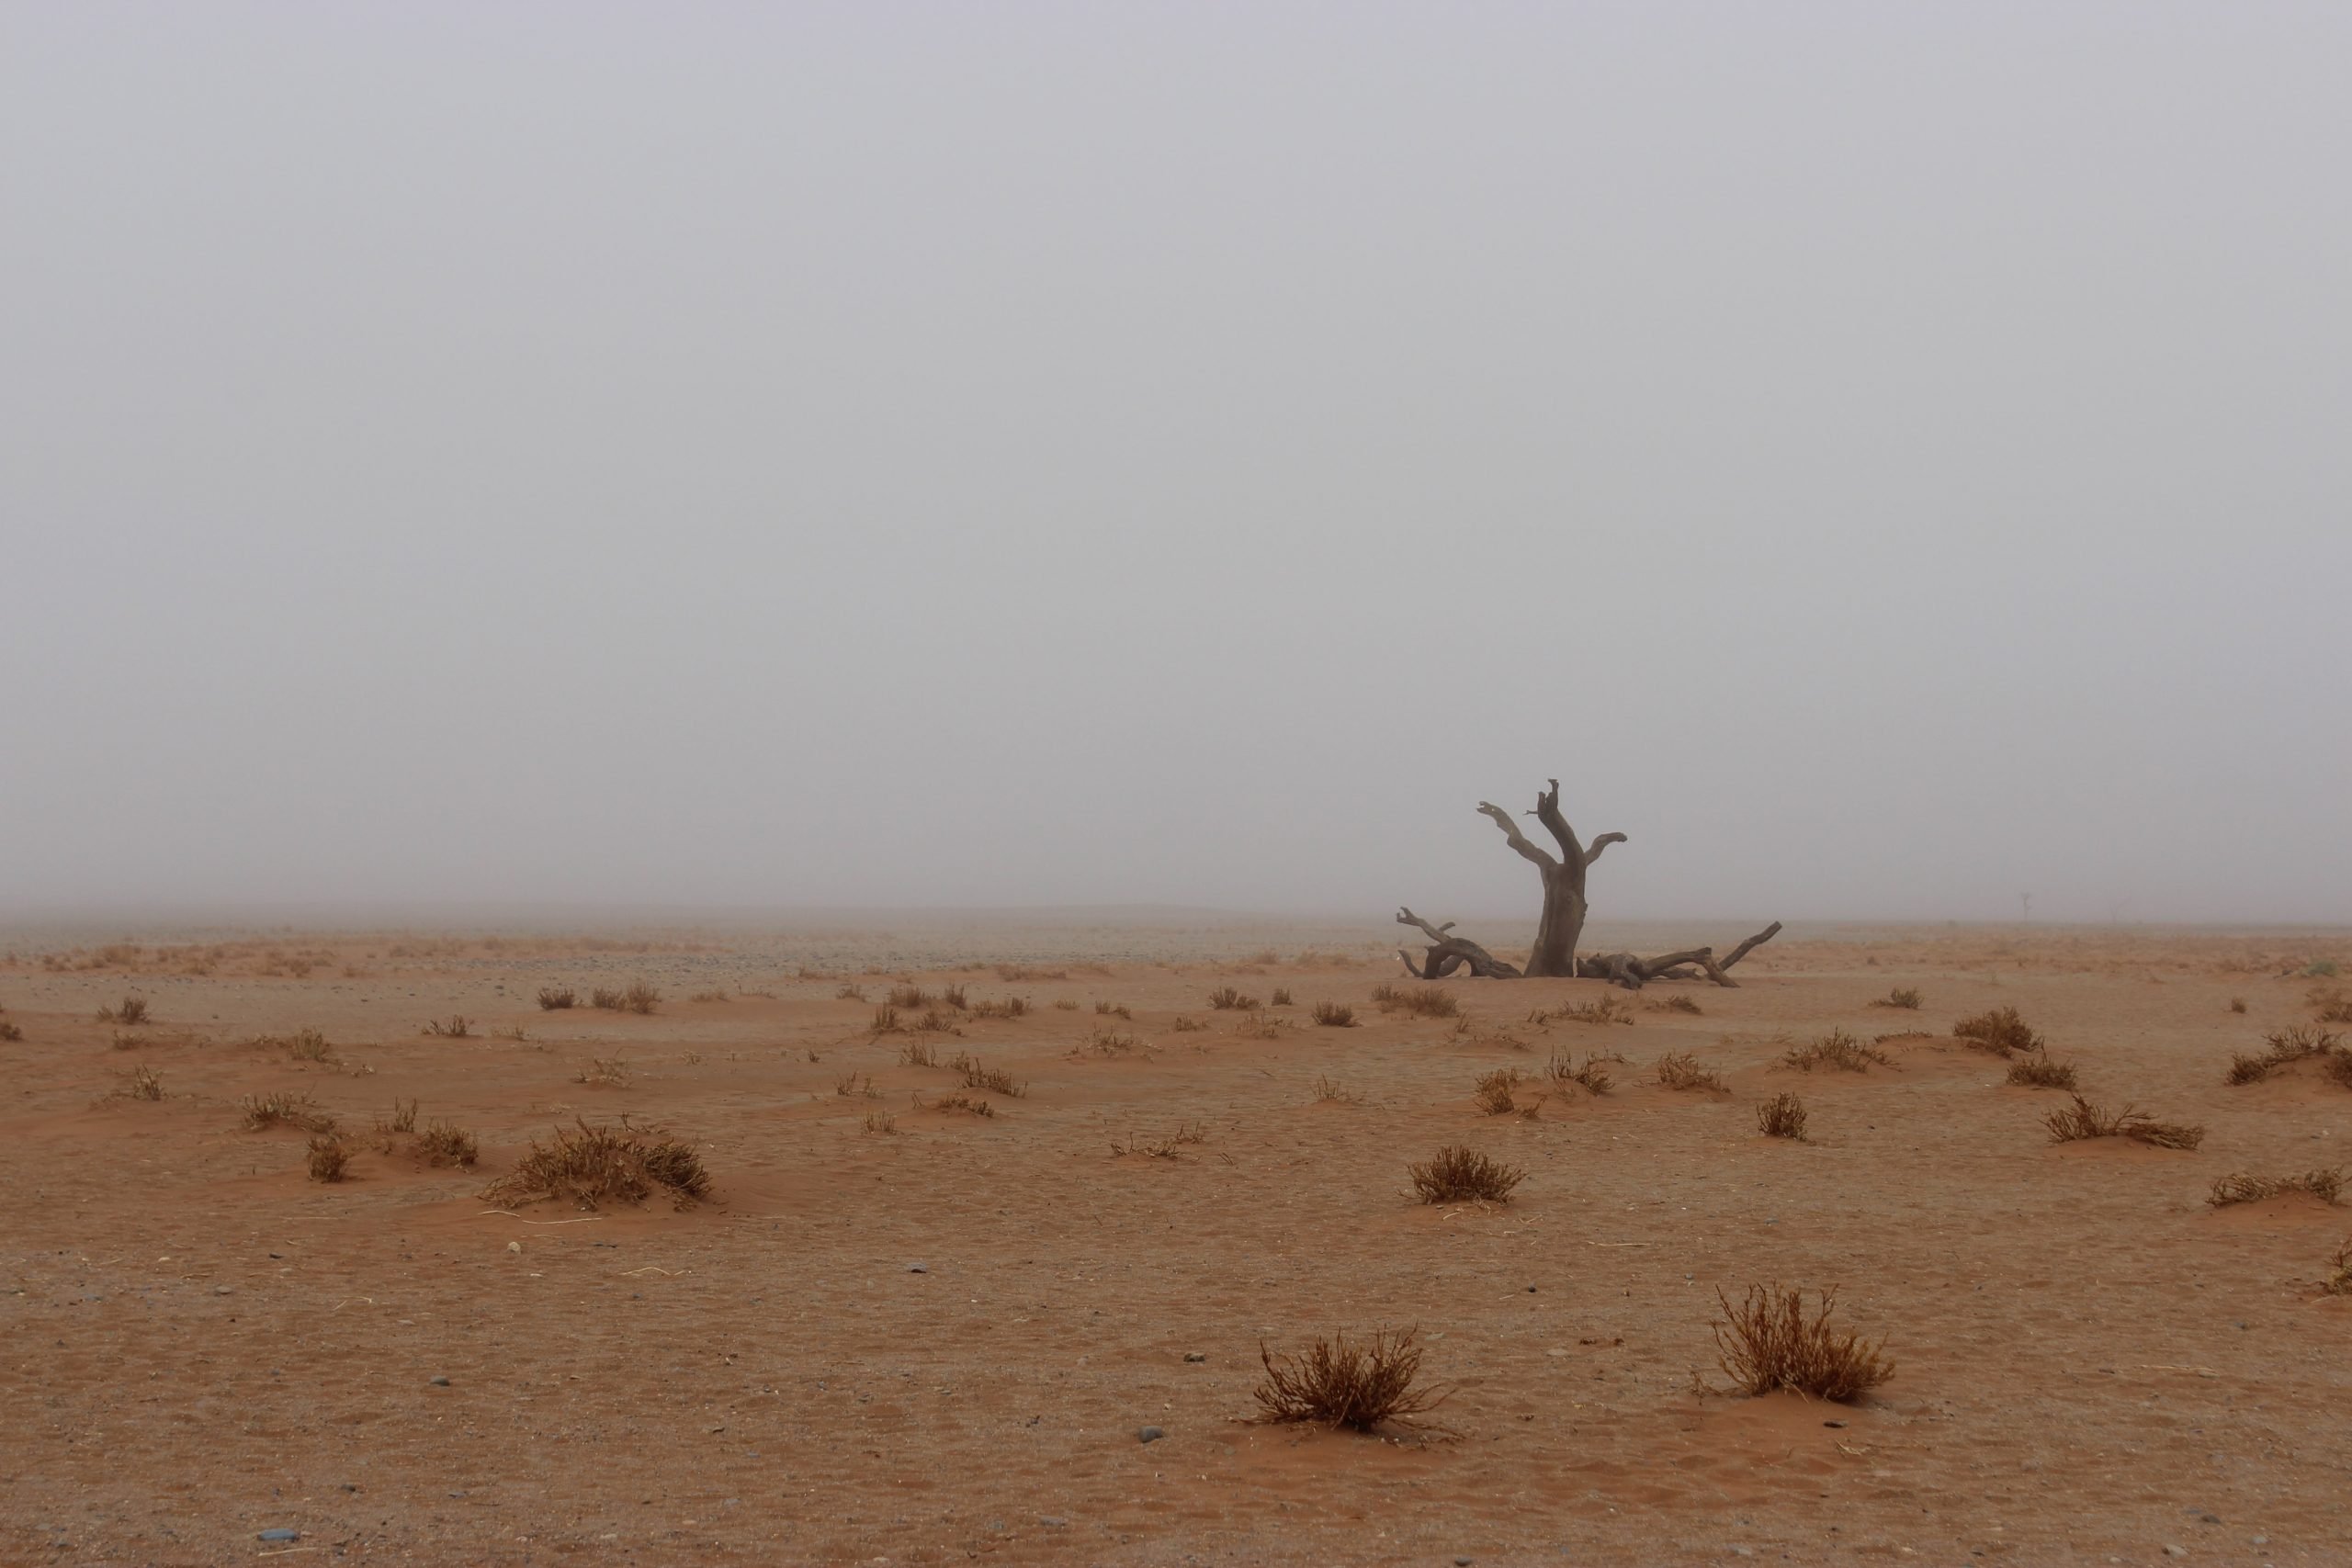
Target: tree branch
[[1548, 811], [1518, 842], [1436, 933], [1602, 843]]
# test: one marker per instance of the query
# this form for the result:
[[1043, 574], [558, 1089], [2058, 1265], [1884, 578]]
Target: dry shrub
[[10, 1032], [2339, 1276], [978, 1075], [1105, 1042], [934, 1022], [1680, 1070], [919, 1053], [1590, 1077], [264, 1110], [1225, 998], [640, 998], [595, 1166], [309, 1046], [1782, 1116], [1459, 1175], [605, 997], [856, 1084], [1837, 1050], [2332, 1006], [1114, 1010], [1183, 1024], [142, 1084], [1281, 997], [2237, 1004], [2040, 1072], [1326, 1090], [443, 1144], [1901, 996], [1262, 1025], [2288, 1046], [1494, 1091], [1676, 1003], [328, 1158], [122, 1041], [456, 1027], [881, 1121], [553, 998], [403, 1117], [130, 1012], [885, 1021], [1338, 1384], [709, 997], [1766, 1343], [1607, 1009], [1008, 1007], [850, 993], [1164, 1149], [603, 1072], [1333, 1015], [1421, 1001], [1066, 1004], [2325, 1185], [910, 997], [2001, 1031], [1016, 972], [2083, 1119], [964, 1102]]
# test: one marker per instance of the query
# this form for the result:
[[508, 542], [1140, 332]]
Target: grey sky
[[1883, 459]]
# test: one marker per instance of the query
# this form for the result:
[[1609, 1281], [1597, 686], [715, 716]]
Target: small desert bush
[[2339, 1274], [1017, 972], [1606, 1009], [262, 1111], [1590, 1077], [1901, 996], [885, 1021], [605, 1073], [1680, 1070], [329, 1159], [1225, 998], [909, 996], [2332, 1006], [10, 1031], [1326, 1090], [445, 1144], [977, 1073], [2083, 1119], [1183, 1024], [1281, 997], [2237, 1004], [142, 1084], [457, 1026], [1782, 1116], [2288, 1046], [954, 996], [2039, 1072], [2325, 1185], [309, 1046], [1334, 1383], [881, 1121], [934, 1022], [709, 997], [1421, 1001], [130, 1012], [1008, 1007], [1066, 1004], [852, 1085], [2320, 969], [403, 1118], [963, 1103], [122, 1041], [1768, 1343], [595, 1166], [1104, 1041], [605, 997], [1260, 1024], [1459, 1175], [1494, 1091], [1334, 1015], [1676, 1003], [1114, 1010], [850, 993], [2001, 1031], [919, 1053], [555, 999], [1835, 1050], [1162, 1148], [640, 998]]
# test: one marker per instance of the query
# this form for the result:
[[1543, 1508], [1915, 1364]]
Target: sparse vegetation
[[710, 997], [963, 1103], [266, 1110], [1066, 1004], [641, 998], [1606, 1009], [329, 1159], [1162, 1148], [885, 1021], [2083, 1121], [1225, 998], [10, 1031], [1494, 1091], [130, 1012], [976, 1073], [1459, 1175], [603, 1072], [1680, 1070], [2339, 1274], [1782, 1116], [1106, 1042], [1675, 1003], [1333, 1015], [881, 1121], [1185, 1024], [1591, 1078], [141, 1084], [2000, 1031], [919, 1053], [2325, 1185], [952, 996], [2288, 1046], [595, 1166], [457, 1026], [1903, 997], [1768, 1343], [1329, 1092], [1337, 1384], [404, 1120], [555, 999], [1008, 1007], [307, 1045], [2237, 1004], [910, 997], [2039, 1072], [1281, 997], [850, 993], [1112, 1009], [122, 1041], [2332, 1006], [605, 998], [856, 1085], [1421, 1001], [1836, 1051]]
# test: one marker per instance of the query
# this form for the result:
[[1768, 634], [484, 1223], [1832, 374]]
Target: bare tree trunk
[[1563, 902]]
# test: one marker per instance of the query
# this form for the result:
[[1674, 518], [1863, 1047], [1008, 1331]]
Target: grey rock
[[440, 1383], [1149, 1435], [917, 1268], [280, 1535]]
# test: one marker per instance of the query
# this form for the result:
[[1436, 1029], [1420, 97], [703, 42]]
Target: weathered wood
[[1447, 954]]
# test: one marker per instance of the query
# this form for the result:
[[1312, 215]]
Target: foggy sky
[[1884, 459]]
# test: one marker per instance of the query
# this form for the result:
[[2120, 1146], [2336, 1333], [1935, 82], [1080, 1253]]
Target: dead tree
[[1562, 922]]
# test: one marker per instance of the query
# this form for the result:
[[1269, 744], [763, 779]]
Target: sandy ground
[[203, 1344]]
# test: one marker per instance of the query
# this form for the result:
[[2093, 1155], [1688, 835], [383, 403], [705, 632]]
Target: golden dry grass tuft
[[1330, 1092], [593, 1167], [1281, 997], [1007, 1007], [141, 1084], [456, 1026], [1606, 1009], [603, 1072], [1419, 1001], [881, 1121], [1333, 1015], [1769, 1343], [444, 1144], [130, 1012], [885, 1021], [2325, 1185], [1904, 997], [919, 1053], [1676, 1003], [555, 999], [1459, 1175], [1225, 998], [640, 998], [1493, 1092], [1338, 1384], [1591, 1078], [2038, 1071], [910, 997], [2000, 1031], [330, 1160], [977, 1073], [605, 998], [265, 1110], [1114, 1010], [1782, 1116], [1836, 1051], [1680, 1070], [2083, 1119], [2339, 1276]]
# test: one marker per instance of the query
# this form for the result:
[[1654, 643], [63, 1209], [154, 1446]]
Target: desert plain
[[898, 1330]]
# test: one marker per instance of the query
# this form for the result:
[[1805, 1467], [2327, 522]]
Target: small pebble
[[917, 1268], [281, 1534], [514, 1247], [2171, 1550], [1194, 1356], [1462, 1562], [1833, 1423], [1149, 1435], [1052, 1521], [223, 1291], [440, 1383]]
